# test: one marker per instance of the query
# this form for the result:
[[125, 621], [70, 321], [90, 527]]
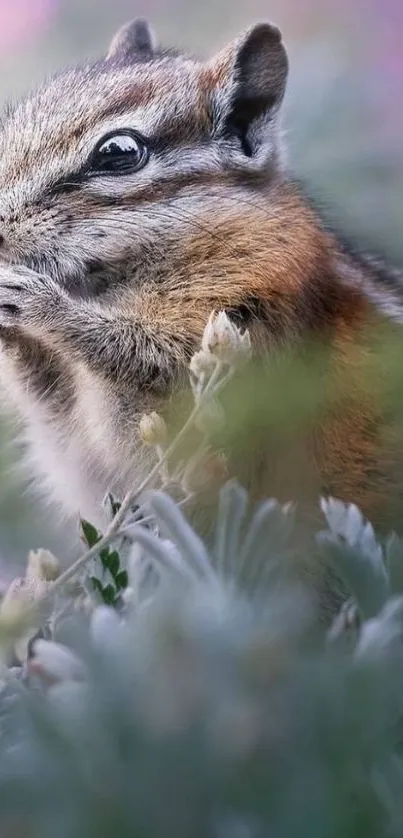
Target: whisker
[[158, 214]]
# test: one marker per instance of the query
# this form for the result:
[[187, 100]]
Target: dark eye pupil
[[119, 153]]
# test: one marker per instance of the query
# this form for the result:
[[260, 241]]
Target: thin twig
[[214, 385], [126, 532]]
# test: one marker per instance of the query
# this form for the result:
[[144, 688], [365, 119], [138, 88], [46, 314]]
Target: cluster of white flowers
[[225, 341], [224, 349]]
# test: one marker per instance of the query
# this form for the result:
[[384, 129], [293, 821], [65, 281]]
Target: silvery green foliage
[[207, 704], [359, 557]]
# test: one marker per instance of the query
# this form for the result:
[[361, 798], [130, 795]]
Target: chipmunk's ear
[[247, 81], [135, 39]]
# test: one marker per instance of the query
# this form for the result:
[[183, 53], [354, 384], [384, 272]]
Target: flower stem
[[214, 385]]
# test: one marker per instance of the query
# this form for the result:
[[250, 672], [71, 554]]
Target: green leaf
[[104, 556], [122, 580], [89, 533], [112, 563], [109, 595]]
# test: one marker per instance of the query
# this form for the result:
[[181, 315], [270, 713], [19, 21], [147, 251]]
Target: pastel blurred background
[[344, 124]]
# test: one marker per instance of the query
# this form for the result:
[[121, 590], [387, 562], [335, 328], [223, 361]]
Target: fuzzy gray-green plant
[[209, 703]]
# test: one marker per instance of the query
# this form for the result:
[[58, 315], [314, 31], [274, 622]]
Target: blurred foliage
[[217, 705]]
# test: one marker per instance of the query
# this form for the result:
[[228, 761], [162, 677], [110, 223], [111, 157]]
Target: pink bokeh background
[[23, 20]]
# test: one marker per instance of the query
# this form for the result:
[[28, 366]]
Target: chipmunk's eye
[[119, 153]]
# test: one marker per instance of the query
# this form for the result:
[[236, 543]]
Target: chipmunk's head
[[117, 162]]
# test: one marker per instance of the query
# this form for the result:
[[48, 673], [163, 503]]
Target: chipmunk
[[138, 194]]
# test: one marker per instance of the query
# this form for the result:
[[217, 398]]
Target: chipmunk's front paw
[[26, 298]]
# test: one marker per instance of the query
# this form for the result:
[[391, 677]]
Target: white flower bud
[[16, 612], [42, 565], [20, 600], [15, 603], [225, 341], [202, 364], [153, 430]]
